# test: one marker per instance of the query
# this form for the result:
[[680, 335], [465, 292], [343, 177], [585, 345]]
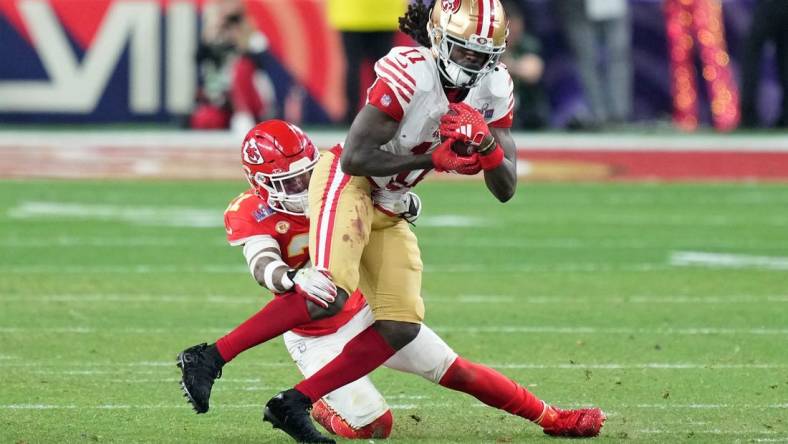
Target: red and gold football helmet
[[473, 25], [278, 159]]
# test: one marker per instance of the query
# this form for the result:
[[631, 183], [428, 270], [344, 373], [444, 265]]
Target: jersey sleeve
[[403, 72], [502, 92], [239, 230], [381, 96], [240, 223]]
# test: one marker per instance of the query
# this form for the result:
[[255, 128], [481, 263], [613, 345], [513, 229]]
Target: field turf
[[664, 304]]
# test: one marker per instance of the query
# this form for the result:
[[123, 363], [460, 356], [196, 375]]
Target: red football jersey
[[248, 215]]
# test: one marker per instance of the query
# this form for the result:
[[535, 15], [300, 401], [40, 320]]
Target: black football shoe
[[289, 411], [200, 366]]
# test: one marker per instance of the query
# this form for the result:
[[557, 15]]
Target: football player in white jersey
[[423, 102]]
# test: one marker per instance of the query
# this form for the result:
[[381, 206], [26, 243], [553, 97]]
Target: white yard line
[[165, 298], [706, 432], [138, 215], [653, 366], [641, 300], [240, 269], [100, 368], [727, 260], [470, 299], [104, 242], [454, 220], [130, 269], [468, 329], [395, 406], [521, 242], [690, 331]]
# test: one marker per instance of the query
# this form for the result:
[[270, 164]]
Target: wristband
[[282, 284], [492, 160], [489, 146]]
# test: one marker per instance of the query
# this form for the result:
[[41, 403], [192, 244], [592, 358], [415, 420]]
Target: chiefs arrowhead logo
[[450, 6], [252, 153]]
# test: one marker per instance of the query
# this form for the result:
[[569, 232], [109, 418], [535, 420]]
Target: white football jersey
[[412, 74]]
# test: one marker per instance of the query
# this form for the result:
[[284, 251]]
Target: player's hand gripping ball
[[460, 146], [467, 126]]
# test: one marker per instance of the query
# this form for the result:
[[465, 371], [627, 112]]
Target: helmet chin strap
[[299, 207], [458, 76]]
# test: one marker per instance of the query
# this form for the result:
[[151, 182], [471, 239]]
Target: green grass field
[[587, 294]]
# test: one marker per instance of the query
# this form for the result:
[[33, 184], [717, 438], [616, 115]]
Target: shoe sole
[[186, 394], [268, 416]]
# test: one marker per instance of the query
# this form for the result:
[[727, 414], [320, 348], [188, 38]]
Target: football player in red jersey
[[269, 222], [451, 86]]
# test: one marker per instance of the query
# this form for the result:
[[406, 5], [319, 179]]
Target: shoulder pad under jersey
[[245, 217], [408, 70], [498, 83]]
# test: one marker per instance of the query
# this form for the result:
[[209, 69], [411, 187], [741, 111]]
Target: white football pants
[[359, 402]]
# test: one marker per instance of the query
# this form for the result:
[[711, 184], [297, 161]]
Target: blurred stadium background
[[647, 252]]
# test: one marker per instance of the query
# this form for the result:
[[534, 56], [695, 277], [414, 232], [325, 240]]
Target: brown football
[[462, 148]]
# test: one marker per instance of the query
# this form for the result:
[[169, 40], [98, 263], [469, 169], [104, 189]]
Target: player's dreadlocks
[[414, 22]]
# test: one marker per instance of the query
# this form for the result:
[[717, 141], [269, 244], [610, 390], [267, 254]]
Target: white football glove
[[315, 285], [404, 204], [413, 205]]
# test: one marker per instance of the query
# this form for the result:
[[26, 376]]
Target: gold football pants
[[361, 246]]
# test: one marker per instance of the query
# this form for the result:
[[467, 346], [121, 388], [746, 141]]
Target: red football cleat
[[573, 423], [334, 423]]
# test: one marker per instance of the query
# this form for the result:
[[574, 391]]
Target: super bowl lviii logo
[[98, 56]]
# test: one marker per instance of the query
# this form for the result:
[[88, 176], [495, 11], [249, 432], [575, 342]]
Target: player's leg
[[392, 270], [341, 211], [356, 410], [392, 274], [430, 357], [202, 364]]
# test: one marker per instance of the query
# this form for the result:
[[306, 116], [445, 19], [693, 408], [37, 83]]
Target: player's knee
[[317, 312], [397, 333], [461, 374]]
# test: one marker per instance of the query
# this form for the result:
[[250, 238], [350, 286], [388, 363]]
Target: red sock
[[493, 389], [380, 428], [364, 353], [282, 314]]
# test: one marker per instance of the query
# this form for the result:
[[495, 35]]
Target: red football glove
[[464, 124], [444, 159]]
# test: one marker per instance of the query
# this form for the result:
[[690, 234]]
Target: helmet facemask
[[464, 76], [288, 192]]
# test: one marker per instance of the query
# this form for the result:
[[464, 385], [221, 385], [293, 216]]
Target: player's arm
[[502, 180], [266, 265], [270, 271], [493, 145], [361, 154]]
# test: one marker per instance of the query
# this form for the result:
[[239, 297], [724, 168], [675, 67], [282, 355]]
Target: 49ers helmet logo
[[451, 6], [252, 153]]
